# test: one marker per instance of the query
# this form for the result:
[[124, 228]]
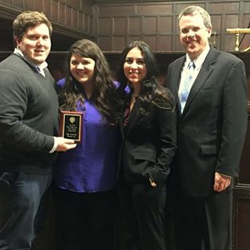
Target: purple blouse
[[91, 166]]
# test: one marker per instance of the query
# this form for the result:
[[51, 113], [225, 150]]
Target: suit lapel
[[175, 80], [121, 125], [132, 119], [133, 116], [206, 69]]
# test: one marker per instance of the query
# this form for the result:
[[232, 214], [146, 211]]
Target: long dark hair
[[151, 90], [104, 97]]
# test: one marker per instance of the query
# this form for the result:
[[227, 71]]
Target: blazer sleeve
[[166, 127], [234, 122]]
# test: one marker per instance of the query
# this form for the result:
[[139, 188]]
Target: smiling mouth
[[133, 75], [81, 74], [191, 43]]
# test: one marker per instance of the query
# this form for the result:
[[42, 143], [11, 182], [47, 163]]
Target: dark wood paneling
[[148, 9], [159, 19], [55, 11], [244, 173], [144, 1], [110, 22], [241, 239], [74, 3], [72, 19]]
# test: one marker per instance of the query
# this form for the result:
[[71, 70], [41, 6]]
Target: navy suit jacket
[[212, 127]]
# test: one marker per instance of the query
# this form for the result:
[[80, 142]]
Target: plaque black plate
[[71, 125]]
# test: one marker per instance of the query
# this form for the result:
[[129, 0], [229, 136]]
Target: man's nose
[[191, 33], [40, 42]]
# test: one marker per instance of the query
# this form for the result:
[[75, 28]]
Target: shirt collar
[[41, 66], [200, 59]]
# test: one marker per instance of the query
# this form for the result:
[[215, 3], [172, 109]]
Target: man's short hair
[[29, 19]]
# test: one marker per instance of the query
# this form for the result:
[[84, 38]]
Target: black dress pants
[[143, 209], [21, 208], [85, 221], [205, 223]]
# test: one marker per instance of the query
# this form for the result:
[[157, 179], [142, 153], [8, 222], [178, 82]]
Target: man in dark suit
[[212, 124]]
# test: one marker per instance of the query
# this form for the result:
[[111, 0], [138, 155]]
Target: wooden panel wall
[[71, 19], [241, 227], [113, 24], [156, 23], [74, 14]]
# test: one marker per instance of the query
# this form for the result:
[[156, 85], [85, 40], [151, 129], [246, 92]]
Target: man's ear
[[209, 31], [17, 41]]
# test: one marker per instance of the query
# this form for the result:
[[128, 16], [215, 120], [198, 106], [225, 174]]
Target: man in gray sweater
[[28, 123]]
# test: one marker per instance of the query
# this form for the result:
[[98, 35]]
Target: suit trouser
[[85, 221], [205, 223], [21, 208], [144, 216]]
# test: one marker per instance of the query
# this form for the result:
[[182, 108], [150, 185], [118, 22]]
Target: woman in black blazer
[[148, 129]]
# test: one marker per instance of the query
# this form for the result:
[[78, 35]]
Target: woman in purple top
[[85, 177]]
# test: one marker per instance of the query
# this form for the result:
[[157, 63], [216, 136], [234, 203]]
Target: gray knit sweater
[[28, 117]]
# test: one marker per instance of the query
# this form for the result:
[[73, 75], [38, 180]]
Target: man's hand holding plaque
[[71, 125]]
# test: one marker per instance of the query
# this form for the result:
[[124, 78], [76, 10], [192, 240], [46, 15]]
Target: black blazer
[[212, 128], [149, 144]]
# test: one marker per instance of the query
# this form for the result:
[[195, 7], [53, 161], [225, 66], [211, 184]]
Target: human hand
[[64, 144], [152, 183], [221, 182]]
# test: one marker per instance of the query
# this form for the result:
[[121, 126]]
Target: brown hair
[[29, 19]]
